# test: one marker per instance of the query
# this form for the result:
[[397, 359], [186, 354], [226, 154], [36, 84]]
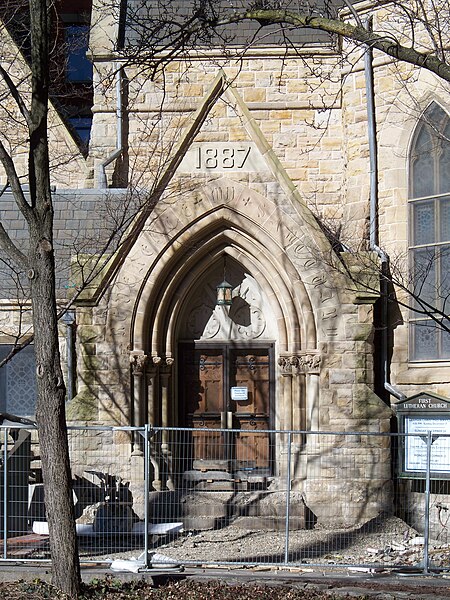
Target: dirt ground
[[156, 588], [111, 589], [387, 544], [114, 590], [31, 581]]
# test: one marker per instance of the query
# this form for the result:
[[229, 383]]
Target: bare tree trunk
[[50, 416], [50, 409]]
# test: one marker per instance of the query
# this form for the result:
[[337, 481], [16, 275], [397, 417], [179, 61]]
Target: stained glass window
[[18, 382], [430, 236]]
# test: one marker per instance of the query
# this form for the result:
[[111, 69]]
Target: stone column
[[285, 410], [312, 402], [303, 373], [152, 419], [137, 361], [285, 396], [166, 376], [310, 365], [152, 395]]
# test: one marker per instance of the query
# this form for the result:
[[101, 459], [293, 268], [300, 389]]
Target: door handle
[[226, 420]]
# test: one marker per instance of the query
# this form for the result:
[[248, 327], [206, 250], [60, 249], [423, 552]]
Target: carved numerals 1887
[[222, 158]]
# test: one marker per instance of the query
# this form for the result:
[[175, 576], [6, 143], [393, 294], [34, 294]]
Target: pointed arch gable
[[276, 246], [160, 214]]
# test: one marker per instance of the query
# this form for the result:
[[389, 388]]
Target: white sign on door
[[239, 393]]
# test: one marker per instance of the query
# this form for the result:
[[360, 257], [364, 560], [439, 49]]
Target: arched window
[[18, 382], [430, 236]]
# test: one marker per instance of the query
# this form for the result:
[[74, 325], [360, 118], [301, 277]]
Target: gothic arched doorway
[[226, 375]]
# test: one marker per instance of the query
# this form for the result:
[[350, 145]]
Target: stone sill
[[423, 373]]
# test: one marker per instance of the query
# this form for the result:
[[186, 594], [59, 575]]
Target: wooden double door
[[227, 388]]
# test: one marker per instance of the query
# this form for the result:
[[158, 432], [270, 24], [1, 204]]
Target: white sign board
[[239, 393], [416, 446]]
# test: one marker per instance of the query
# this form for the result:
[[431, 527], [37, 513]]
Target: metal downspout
[[373, 216], [373, 209], [102, 179], [69, 321]]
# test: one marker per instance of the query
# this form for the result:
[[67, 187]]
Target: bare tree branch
[[387, 45], [169, 34], [14, 182], [7, 245], [16, 95]]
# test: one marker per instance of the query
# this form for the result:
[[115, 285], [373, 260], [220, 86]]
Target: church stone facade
[[243, 161]]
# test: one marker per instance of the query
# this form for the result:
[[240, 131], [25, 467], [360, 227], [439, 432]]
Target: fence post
[[146, 492], [288, 500], [427, 506], [5, 493]]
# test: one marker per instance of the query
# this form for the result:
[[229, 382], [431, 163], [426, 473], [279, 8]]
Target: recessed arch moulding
[[321, 335]]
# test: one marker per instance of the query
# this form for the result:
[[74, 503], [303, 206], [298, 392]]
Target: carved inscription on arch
[[315, 279], [222, 195]]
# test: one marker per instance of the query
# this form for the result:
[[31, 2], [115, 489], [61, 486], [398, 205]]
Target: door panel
[[252, 449], [205, 385], [251, 370], [203, 392], [205, 379]]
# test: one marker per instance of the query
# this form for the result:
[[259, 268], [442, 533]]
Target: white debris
[[132, 565], [371, 570], [41, 528], [158, 528], [417, 541], [161, 561], [398, 547]]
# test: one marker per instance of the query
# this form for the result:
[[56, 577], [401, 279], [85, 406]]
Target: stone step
[[211, 465], [249, 510]]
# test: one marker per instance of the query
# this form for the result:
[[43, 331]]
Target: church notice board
[[416, 416]]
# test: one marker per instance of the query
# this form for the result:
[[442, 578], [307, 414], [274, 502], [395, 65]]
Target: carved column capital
[[163, 364], [310, 362], [285, 362], [167, 366], [295, 364], [137, 361]]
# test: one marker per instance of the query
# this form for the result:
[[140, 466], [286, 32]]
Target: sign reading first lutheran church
[[419, 415]]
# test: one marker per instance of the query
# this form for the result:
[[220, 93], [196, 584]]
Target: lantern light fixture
[[224, 290]]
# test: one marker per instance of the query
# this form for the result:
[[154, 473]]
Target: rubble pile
[[410, 553], [383, 544]]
